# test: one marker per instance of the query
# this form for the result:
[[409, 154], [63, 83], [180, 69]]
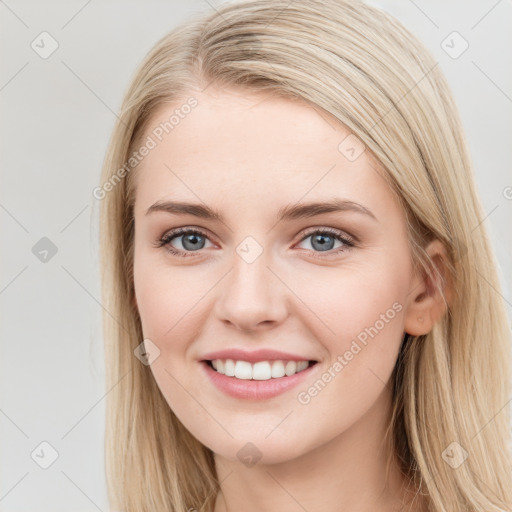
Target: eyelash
[[166, 240]]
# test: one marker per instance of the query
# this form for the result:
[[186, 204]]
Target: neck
[[347, 473]]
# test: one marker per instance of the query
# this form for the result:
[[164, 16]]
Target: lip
[[254, 389], [254, 356]]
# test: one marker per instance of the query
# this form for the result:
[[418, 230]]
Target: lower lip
[[255, 389]]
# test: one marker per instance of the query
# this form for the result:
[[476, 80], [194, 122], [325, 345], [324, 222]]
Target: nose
[[252, 296]]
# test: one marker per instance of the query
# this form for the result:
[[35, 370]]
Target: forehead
[[256, 149]]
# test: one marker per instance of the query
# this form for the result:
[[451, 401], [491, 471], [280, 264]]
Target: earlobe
[[429, 293]]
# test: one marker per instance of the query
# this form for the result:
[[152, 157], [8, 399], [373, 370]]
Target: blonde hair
[[363, 67]]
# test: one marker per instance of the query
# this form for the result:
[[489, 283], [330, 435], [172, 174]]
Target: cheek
[[171, 304], [167, 298], [359, 319], [152, 300], [149, 305], [355, 297], [169, 319], [366, 314]]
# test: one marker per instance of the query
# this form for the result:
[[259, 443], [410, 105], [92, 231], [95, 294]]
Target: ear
[[426, 304]]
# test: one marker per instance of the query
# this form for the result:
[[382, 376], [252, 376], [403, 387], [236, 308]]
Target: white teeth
[[290, 368], [262, 370], [277, 369], [229, 368], [243, 370]]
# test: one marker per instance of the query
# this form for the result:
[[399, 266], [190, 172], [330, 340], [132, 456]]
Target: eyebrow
[[289, 212]]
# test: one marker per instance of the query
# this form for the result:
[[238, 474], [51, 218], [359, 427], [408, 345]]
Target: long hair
[[359, 64]]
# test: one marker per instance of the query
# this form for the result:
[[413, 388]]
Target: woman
[[302, 298]]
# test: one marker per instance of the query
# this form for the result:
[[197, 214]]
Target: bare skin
[[248, 156]]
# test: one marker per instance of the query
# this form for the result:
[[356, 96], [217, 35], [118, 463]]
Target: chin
[[256, 449]]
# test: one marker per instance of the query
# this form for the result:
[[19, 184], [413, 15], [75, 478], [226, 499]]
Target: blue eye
[[193, 240], [323, 240]]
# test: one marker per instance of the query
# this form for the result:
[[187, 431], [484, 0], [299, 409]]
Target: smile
[[261, 370], [260, 380]]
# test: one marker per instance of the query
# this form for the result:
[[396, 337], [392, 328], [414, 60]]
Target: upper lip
[[254, 356]]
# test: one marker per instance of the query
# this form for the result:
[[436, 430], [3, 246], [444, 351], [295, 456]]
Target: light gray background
[[57, 115]]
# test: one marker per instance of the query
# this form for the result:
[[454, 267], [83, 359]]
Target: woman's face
[[257, 284]]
